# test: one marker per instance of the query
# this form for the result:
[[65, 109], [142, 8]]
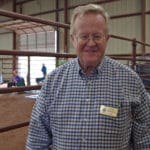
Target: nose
[[91, 41]]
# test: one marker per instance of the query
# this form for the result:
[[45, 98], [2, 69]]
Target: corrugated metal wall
[[129, 27]]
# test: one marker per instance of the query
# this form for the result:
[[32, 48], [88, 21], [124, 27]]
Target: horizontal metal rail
[[128, 39], [15, 126], [34, 53], [61, 55], [19, 89], [32, 19]]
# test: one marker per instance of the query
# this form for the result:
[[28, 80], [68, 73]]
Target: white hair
[[81, 10]]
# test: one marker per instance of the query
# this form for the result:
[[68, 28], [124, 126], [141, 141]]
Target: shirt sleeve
[[141, 121], [39, 136]]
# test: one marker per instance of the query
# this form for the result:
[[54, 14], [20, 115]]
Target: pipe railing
[[129, 39], [19, 89], [131, 57], [32, 19], [27, 53], [35, 53], [15, 126], [134, 44]]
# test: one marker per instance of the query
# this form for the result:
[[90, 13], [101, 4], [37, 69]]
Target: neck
[[88, 72], [88, 69]]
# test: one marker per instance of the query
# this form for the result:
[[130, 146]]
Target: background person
[[1, 78], [16, 80], [44, 72], [92, 102]]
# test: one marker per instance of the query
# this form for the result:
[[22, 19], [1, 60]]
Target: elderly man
[[91, 102]]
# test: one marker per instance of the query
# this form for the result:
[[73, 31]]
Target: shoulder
[[63, 70], [119, 67], [59, 76], [124, 75], [121, 72]]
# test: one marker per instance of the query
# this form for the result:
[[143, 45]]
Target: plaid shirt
[[104, 111]]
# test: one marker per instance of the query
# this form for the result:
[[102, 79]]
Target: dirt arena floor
[[14, 108]]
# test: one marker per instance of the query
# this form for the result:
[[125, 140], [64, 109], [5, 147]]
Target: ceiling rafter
[[21, 26]]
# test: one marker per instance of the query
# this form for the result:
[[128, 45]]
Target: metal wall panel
[[147, 4], [38, 6], [123, 7], [129, 27], [148, 31], [80, 2], [6, 41]]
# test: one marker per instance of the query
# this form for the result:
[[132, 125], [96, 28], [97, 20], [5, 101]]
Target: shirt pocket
[[115, 124]]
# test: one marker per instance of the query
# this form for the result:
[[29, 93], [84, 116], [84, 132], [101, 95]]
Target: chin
[[91, 63]]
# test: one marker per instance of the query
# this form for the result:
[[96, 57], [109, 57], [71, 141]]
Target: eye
[[97, 37], [83, 37]]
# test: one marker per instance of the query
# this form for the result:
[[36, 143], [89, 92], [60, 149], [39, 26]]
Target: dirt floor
[[14, 108]]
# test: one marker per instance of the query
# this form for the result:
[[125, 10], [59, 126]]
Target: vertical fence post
[[134, 54]]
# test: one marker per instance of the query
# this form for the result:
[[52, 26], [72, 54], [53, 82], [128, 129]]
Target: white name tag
[[108, 111]]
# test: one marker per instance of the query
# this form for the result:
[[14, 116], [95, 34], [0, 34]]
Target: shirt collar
[[97, 70]]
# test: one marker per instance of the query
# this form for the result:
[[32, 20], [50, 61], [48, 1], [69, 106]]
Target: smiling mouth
[[90, 51]]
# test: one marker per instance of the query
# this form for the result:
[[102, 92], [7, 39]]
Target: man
[[92, 102], [16, 80], [44, 72]]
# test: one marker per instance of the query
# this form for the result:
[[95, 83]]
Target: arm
[[141, 121], [39, 137]]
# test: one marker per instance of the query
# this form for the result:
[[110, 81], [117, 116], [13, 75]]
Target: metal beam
[[33, 19]]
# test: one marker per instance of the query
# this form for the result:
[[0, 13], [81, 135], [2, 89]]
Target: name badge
[[108, 111]]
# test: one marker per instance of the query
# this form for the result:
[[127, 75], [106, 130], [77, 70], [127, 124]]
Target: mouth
[[90, 51]]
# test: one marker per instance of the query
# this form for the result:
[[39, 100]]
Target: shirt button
[[85, 119], [89, 83]]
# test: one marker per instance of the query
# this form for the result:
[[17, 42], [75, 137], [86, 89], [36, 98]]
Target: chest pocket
[[114, 115]]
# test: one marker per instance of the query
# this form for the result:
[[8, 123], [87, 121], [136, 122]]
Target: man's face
[[90, 39]]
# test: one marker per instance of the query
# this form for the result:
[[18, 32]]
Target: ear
[[107, 37], [72, 39]]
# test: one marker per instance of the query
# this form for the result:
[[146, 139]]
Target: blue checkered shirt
[[67, 114]]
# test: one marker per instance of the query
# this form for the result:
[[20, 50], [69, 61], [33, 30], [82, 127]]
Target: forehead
[[90, 21]]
